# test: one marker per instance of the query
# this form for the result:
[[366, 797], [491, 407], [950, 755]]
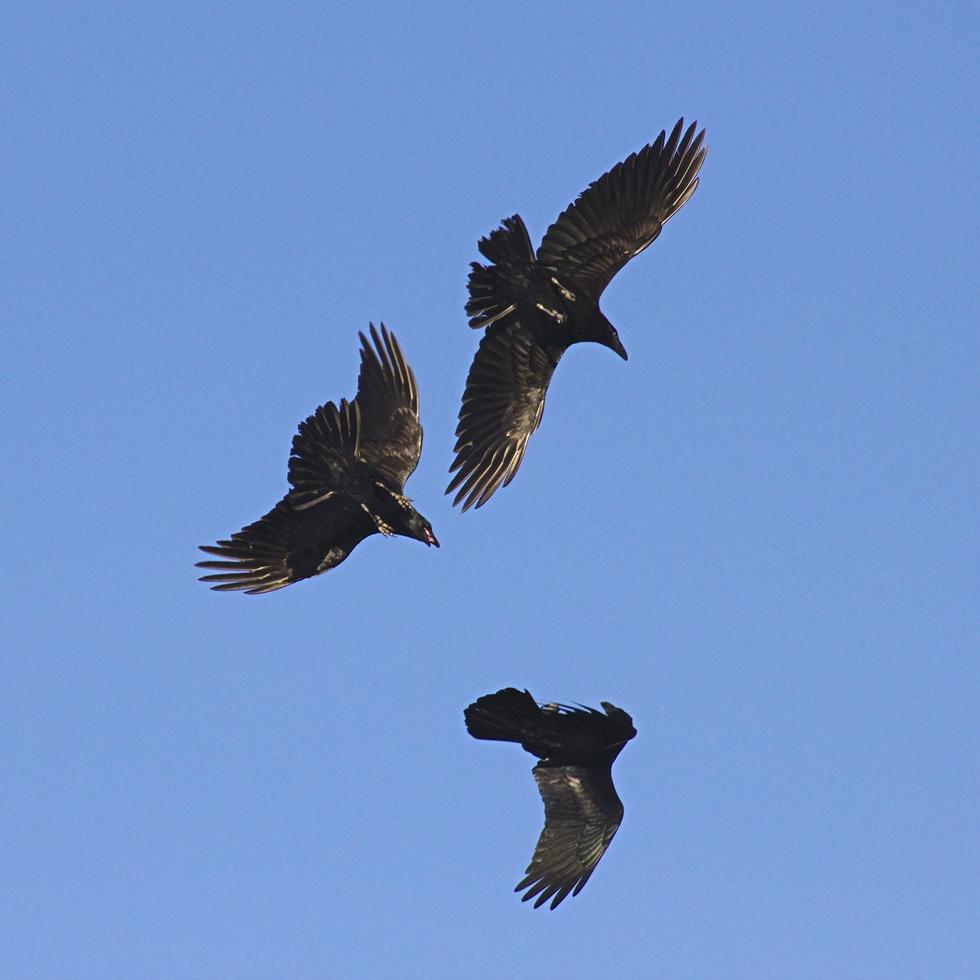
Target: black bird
[[347, 470], [577, 747], [536, 306]]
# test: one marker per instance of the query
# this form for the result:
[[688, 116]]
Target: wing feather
[[323, 459], [581, 816], [502, 407], [379, 429], [388, 404], [284, 546], [623, 211]]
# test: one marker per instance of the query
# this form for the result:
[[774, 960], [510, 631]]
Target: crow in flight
[[536, 306], [347, 470], [577, 747]]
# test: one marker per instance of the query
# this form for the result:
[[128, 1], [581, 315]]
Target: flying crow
[[536, 306], [577, 747], [347, 471]]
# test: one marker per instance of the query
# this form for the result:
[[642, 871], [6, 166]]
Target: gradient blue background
[[759, 536]]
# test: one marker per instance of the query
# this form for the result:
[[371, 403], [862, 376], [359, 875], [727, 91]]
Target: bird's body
[[348, 469], [576, 748], [534, 306]]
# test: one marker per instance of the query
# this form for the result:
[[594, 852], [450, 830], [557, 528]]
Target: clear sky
[[759, 535]]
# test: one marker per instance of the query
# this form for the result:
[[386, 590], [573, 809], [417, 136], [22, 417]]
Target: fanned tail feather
[[495, 289], [509, 716]]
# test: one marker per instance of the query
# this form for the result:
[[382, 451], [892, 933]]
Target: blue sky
[[759, 536]]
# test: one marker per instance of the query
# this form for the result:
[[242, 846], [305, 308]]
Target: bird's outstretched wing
[[285, 546], [502, 406], [387, 404], [378, 432], [623, 211], [581, 816], [323, 459]]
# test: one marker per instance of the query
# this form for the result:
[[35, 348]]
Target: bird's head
[[621, 727], [421, 530], [397, 512], [603, 332]]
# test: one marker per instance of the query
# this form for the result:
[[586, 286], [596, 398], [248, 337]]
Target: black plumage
[[577, 747], [347, 470], [534, 307]]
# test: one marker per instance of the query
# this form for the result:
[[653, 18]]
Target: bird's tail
[[495, 289], [509, 716]]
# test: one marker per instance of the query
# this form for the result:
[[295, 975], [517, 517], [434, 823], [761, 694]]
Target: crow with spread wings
[[535, 306], [347, 471], [577, 747]]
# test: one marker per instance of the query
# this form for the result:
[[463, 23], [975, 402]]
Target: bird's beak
[[430, 538], [617, 345]]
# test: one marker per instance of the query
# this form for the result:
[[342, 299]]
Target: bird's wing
[[581, 816], [285, 546], [323, 460], [623, 211], [379, 429], [387, 403], [502, 406]]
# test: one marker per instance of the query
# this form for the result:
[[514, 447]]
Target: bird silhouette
[[534, 307], [577, 747], [347, 470]]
